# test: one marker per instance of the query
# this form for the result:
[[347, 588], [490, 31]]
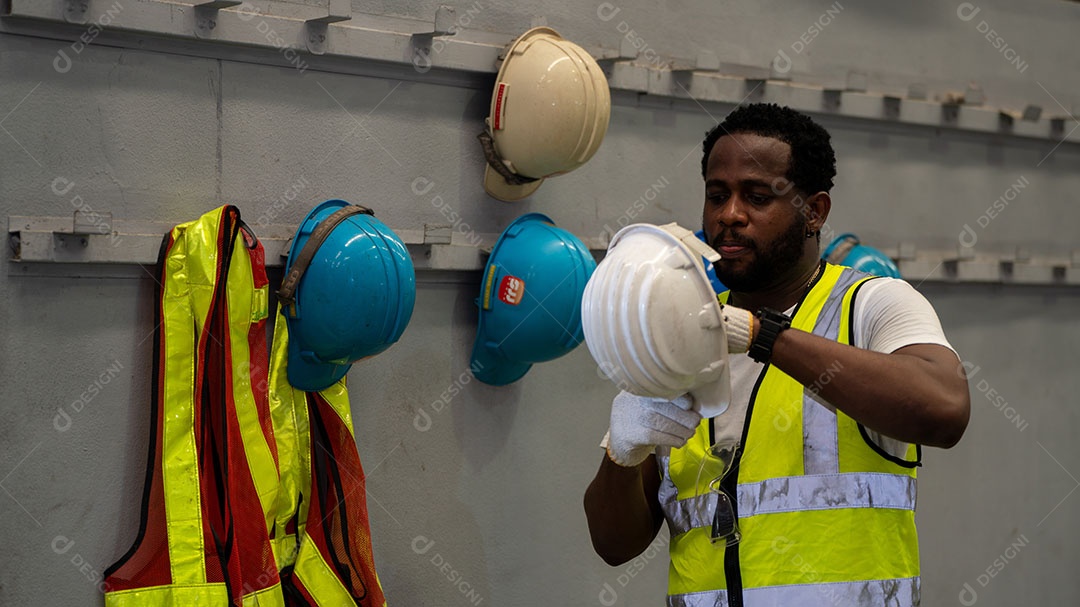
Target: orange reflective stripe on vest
[[230, 479]]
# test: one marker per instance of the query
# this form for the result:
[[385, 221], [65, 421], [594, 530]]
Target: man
[[826, 417]]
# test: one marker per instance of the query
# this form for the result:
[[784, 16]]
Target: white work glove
[[739, 327], [639, 424]]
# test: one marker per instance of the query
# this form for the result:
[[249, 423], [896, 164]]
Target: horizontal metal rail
[[445, 51], [97, 239]]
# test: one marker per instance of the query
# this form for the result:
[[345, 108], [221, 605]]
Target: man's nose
[[732, 212]]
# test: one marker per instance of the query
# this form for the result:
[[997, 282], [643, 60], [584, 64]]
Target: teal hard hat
[[348, 292], [846, 250], [530, 299]]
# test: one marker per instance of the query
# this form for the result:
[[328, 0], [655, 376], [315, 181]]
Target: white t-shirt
[[889, 314]]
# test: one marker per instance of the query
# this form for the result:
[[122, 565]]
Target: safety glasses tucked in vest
[[716, 465]]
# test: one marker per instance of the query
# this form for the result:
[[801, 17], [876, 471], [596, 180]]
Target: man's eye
[[759, 198], [716, 196]]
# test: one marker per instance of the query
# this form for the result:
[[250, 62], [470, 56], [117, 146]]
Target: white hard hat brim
[[496, 187], [651, 319]]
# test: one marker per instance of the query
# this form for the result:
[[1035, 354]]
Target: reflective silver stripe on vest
[[682, 515], [710, 598], [902, 592], [794, 494], [821, 450]]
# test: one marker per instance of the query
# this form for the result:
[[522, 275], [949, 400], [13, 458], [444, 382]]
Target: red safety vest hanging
[[237, 489]]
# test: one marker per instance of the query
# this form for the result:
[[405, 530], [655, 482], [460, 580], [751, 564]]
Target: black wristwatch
[[772, 323]]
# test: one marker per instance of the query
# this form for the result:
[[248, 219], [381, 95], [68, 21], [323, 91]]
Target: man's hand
[[639, 424]]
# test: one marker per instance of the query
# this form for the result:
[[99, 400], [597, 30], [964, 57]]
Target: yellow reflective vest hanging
[[254, 491], [826, 516]]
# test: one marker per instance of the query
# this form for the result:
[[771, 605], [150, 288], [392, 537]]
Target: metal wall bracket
[[965, 265], [857, 82], [683, 74], [383, 44], [317, 30], [206, 15], [421, 42], [82, 238], [445, 17], [706, 61], [75, 11], [96, 239], [626, 52]]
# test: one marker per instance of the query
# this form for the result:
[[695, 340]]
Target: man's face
[[750, 216]]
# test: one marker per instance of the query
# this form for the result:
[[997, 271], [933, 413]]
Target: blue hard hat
[[530, 299], [846, 250], [710, 271], [348, 297]]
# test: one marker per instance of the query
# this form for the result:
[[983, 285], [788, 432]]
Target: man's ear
[[817, 210]]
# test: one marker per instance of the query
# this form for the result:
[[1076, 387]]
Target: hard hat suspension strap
[[288, 286], [497, 164]]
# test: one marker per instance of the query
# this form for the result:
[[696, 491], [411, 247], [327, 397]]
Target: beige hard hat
[[549, 113]]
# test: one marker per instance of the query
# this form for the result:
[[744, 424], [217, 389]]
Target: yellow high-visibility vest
[[237, 507], [827, 517]]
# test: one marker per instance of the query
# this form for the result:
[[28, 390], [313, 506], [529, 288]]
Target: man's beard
[[769, 261]]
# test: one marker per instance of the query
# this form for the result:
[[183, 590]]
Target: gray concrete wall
[[496, 482]]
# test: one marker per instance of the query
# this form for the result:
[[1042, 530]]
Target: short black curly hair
[[813, 161]]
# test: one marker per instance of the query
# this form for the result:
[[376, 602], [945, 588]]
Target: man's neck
[[782, 296]]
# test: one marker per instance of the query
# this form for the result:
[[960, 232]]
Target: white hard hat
[[549, 113], [652, 321]]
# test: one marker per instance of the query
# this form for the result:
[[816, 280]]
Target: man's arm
[[623, 509], [916, 394]]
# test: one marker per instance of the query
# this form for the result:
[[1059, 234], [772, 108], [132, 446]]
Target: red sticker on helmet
[[500, 97], [511, 289]]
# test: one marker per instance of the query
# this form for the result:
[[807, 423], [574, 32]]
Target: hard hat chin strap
[[300, 265], [497, 164]]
